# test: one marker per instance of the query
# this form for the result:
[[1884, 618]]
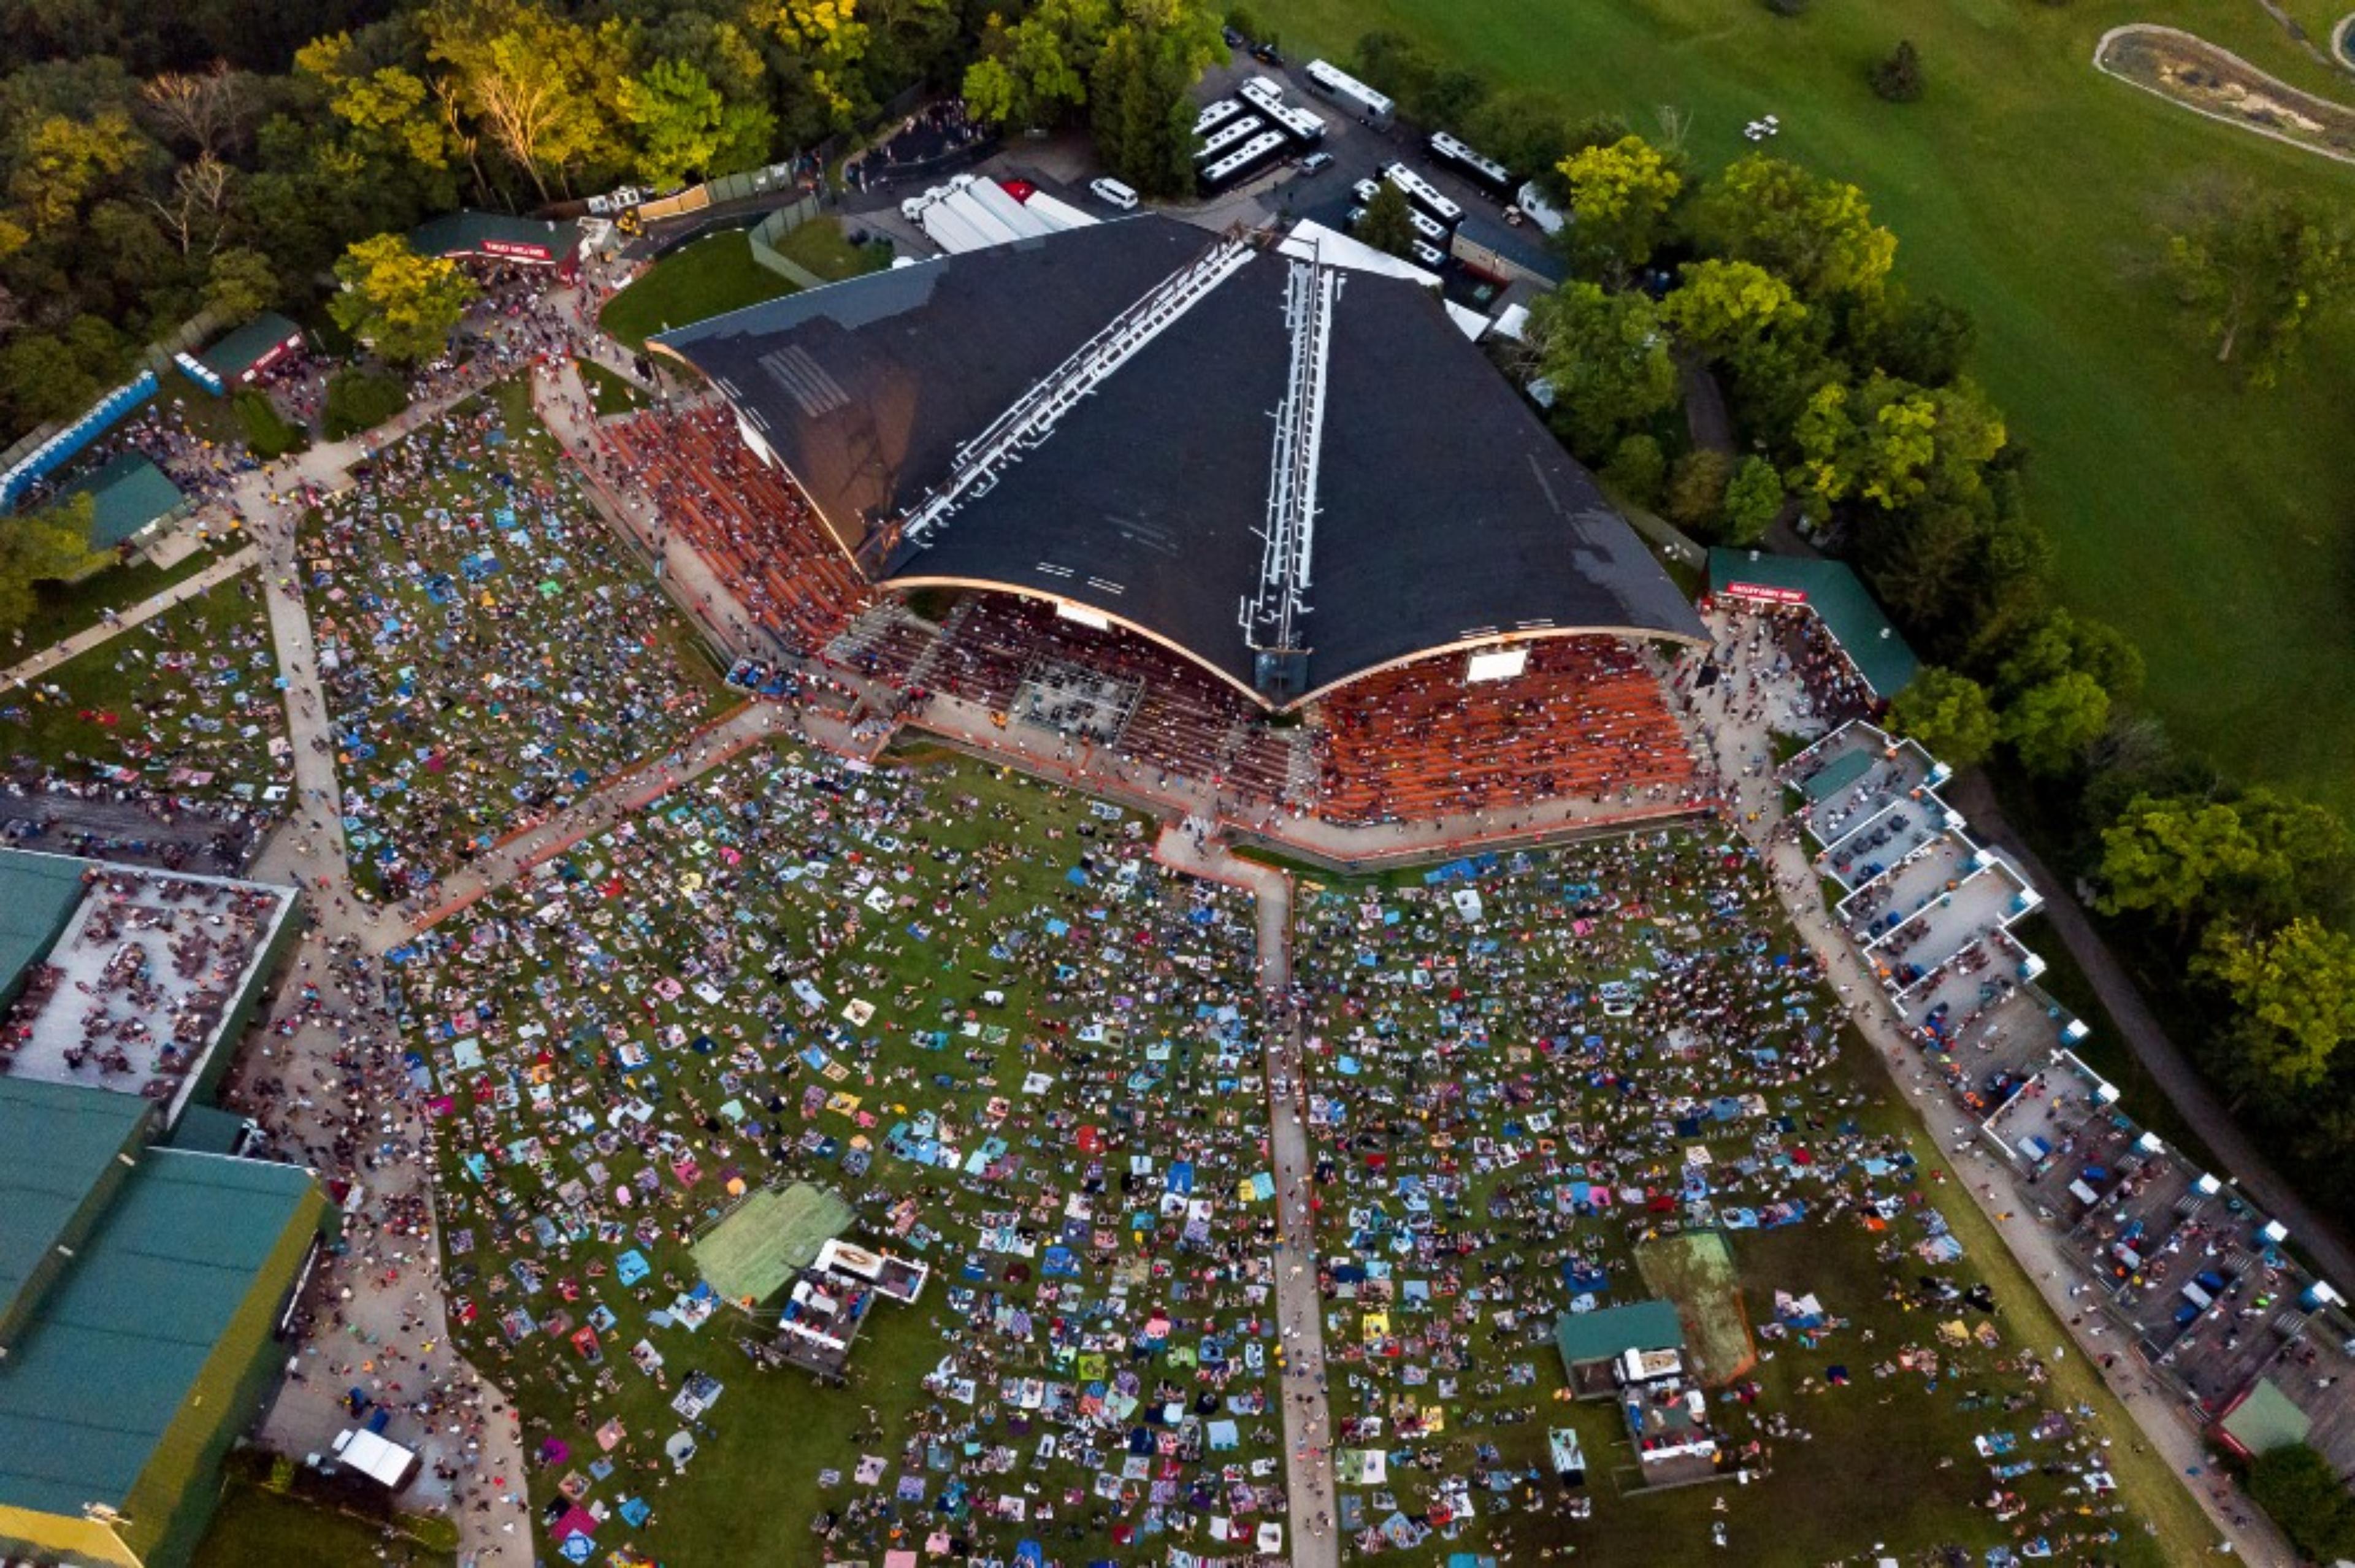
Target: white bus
[[1228, 137], [1420, 192], [1244, 161], [1466, 161], [1215, 115], [1348, 91], [1298, 123]]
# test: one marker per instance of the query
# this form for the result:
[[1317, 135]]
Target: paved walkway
[[1300, 1310], [1744, 756], [2177, 1078], [82, 642], [387, 1287]]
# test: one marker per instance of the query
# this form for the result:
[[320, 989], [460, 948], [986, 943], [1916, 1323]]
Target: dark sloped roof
[[1447, 512], [472, 233]]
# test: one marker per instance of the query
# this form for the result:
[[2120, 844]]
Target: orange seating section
[[1585, 718], [747, 520]]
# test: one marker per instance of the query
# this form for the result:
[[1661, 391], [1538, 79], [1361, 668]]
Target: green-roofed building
[[129, 496], [241, 359], [1841, 603], [496, 236], [66, 1153], [38, 894], [1586, 1337], [2264, 1420], [147, 1353]]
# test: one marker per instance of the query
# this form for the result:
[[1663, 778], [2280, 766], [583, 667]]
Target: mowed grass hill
[[2215, 524]]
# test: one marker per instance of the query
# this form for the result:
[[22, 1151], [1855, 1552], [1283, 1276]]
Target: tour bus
[[1215, 115], [1420, 192], [1348, 91], [1298, 123], [1228, 137], [1466, 161], [1429, 228], [1244, 161]]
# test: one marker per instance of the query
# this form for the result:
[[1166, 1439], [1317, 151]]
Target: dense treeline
[[155, 160]]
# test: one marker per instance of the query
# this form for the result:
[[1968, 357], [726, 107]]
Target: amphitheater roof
[[1445, 512]]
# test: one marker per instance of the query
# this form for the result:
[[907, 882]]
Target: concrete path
[[82, 642], [1307, 1418], [2177, 1078], [1744, 758]]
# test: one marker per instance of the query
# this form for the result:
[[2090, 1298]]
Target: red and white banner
[[1763, 594]]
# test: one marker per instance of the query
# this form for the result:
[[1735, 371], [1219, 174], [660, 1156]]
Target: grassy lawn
[[2212, 523], [711, 277], [255, 1526], [1430, 1093], [499, 651], [609, 394], [186, 698], [636, 1032], [821, 246], [62, 609]]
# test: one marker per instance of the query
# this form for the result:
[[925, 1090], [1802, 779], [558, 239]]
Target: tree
[[1144, 125], [830, 40], [1949, 713], [400, 303], [1696, 486], [240, 283], [1388, 221], [2049, 726], [1893, 443], [1638, 470], [2174, 859], [1927, 341], [2061, 642], [1753, 499], [1898, 77], [45, 546], [207, 110], [2304, 855], [1817, 233], [679, 118], [1722, 308], [360, 400], [1606, 356], [388, 110], [530, 78], [44, 380], [1620, 196], [1035, 72], [2301, 1492], [2257, 266], [198, 207], [63, 162], [2294, 990]]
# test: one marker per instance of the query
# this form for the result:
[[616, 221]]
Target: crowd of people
[[490, 652], [1024, 1054]]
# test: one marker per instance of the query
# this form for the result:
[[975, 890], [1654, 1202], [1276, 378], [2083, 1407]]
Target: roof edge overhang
[[1493, 640], [1024, 591], [913, 582]]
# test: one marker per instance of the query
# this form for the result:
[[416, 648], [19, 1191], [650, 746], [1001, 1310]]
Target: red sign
[[509, 247], [1763, 594]]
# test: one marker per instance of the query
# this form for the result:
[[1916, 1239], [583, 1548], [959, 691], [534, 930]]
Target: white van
[[1112, 193]]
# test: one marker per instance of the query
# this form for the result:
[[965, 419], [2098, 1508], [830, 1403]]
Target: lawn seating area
[[490, 653], [973, 1007]]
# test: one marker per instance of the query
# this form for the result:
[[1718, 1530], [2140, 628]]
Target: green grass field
[[608, 393], [255, 1525], [711, 277], [2209, 522]]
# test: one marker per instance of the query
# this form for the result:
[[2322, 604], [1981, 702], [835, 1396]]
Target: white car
[[1112, 193]]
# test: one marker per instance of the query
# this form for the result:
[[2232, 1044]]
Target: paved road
[[56, 654], [2173, 1073]]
